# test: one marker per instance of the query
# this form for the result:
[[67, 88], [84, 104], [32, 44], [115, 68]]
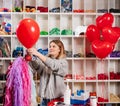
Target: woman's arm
[[33, 51], [59, 66], [38, 63]]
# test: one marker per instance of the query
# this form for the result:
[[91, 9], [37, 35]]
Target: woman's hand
[[32, 51]]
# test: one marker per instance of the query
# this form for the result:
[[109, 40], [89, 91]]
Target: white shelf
[[83, 66]]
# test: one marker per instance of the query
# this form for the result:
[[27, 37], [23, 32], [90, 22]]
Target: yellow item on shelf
[[114, 98]]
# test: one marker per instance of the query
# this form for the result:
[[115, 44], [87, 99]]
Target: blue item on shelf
[[44, 52], [115, 54], [80, 97], [79, 92], [80, 102], [18, 52], [8, 27]]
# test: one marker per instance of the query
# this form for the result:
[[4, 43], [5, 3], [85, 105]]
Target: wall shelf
[[76, 45]]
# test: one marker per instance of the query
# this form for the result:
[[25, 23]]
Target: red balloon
[[117, 29], [28, 32], [28, 57], [98, 18], [102, 48], [92, 33], [104, 20], [110, 35]]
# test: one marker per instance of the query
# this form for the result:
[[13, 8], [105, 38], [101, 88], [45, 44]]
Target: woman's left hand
[[32, 51]]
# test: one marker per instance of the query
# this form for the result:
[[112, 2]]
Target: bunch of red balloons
[[103, 36]]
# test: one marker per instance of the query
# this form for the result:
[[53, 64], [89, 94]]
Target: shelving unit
[[81, 68]]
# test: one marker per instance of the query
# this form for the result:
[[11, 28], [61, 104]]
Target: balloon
[[117, 29], [104, 20], [28, 57], [98, 18], [102, 48], [28, 32], [92, 33], [110, 35]]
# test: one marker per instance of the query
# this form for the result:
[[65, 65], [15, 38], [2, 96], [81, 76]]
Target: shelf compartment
[[54, 24], [102, 69], [67, 41], [91, 87], [90, 19], [17, 48], [66, 22], [80, 6], [90, 6], [5, 47], [78, 70], [78, 47], [113, 69], [90, 69], [17, 18], [102, 92], [3, 66], [114, 92], [78, 24], [53, 4], [42, 43], [6, 4], [5, 24], [42, 21], [78, 86], [68, 77], [42, 5], [102, 4], [29, 3]]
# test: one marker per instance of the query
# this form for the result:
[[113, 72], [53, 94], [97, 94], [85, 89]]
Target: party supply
[[28, 32], [81, 97], [67, 95]]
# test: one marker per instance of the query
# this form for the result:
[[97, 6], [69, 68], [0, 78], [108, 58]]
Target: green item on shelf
[[66, 32], [43, 33], [17, 9], [54, 31]]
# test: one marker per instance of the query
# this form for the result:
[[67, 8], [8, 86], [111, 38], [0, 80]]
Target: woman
[[52, 69]]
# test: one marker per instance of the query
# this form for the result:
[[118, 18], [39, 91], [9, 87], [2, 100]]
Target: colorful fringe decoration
[[18, 84]]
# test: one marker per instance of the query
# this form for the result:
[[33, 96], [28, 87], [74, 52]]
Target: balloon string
[[103, 83]]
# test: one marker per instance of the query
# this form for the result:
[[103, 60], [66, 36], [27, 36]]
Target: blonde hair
[[62, 53]]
